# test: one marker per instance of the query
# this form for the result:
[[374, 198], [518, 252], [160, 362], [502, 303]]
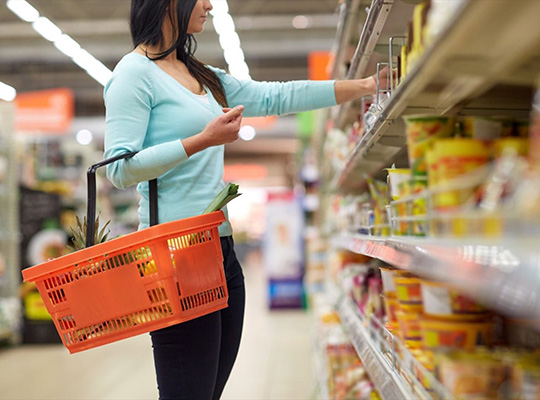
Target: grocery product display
[[437, 188]]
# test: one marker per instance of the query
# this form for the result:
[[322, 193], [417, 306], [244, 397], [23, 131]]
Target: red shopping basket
[[144, 281]]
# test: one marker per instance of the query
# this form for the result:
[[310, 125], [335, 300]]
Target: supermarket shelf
[[483, 63], [386, 18], [502, 274], [386, 379], [348, 14]]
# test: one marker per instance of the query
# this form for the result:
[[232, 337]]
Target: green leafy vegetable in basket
[[79, 234], [226, 195]]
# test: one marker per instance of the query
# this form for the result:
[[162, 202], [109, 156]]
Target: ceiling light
[[301, 22], [23, 10], [223, 23], [84, 137], [7, 93], [240, 70], [229, 40], [63, 42], [67, 45], [247, 133], [47, 29], [220, 7], [233, 55]]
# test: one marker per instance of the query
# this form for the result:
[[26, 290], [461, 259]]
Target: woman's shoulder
[[133, 62], [133, 70]]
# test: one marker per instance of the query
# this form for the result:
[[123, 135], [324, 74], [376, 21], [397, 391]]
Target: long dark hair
[[146, 20]]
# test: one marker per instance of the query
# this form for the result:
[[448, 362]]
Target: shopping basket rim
[[134, 239]]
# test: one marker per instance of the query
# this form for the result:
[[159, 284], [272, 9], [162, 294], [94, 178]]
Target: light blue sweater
[[150, 112]]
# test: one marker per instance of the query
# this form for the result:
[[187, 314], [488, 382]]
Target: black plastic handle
[[91, 210]]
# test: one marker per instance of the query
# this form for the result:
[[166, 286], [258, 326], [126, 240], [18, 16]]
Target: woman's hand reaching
[[221, 130], [354, 89]]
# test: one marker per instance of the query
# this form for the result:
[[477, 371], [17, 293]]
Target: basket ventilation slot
[[57, 296], [114, 325], [158, 295], [202, 298], [192, 239]]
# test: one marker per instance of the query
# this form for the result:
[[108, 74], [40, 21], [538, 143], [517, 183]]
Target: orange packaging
[[409, 325], [408, 290], [445, 335], [391, 308]]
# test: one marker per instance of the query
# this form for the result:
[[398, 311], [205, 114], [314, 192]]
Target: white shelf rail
[[502, 274], [389, 364]]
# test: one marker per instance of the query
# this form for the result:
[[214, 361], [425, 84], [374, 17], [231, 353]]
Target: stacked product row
[[453, 186], [468, 348]]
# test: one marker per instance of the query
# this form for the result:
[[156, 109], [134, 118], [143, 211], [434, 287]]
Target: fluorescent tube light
[[23, 10], [229, 40], [47, 29], [62, 42], [67, 45]]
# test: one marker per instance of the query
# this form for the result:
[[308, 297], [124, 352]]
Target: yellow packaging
[[445, 335], [403, 66], [419, 208], [408, 290], [391, 308], [511, 145], [457, 157], [422, 130], [441, 301], [419, 20], [413, 344], [472, 375], [34, 307]]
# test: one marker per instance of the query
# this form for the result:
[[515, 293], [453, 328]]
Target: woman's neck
[[152, 51]]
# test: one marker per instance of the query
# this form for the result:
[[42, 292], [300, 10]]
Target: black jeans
[[194, 359]]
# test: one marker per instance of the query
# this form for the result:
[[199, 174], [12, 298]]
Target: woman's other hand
[[224, 129], [221, 130]]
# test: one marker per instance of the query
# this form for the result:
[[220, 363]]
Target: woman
[[178, 113]]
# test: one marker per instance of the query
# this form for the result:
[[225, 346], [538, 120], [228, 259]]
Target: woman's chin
[[195, 30]]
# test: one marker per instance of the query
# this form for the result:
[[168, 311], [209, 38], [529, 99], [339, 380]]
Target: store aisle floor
[[275, 361]]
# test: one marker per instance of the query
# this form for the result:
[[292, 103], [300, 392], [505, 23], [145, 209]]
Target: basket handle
[[91, 209]]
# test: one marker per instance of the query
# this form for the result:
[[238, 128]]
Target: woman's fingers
[[233, 113]]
